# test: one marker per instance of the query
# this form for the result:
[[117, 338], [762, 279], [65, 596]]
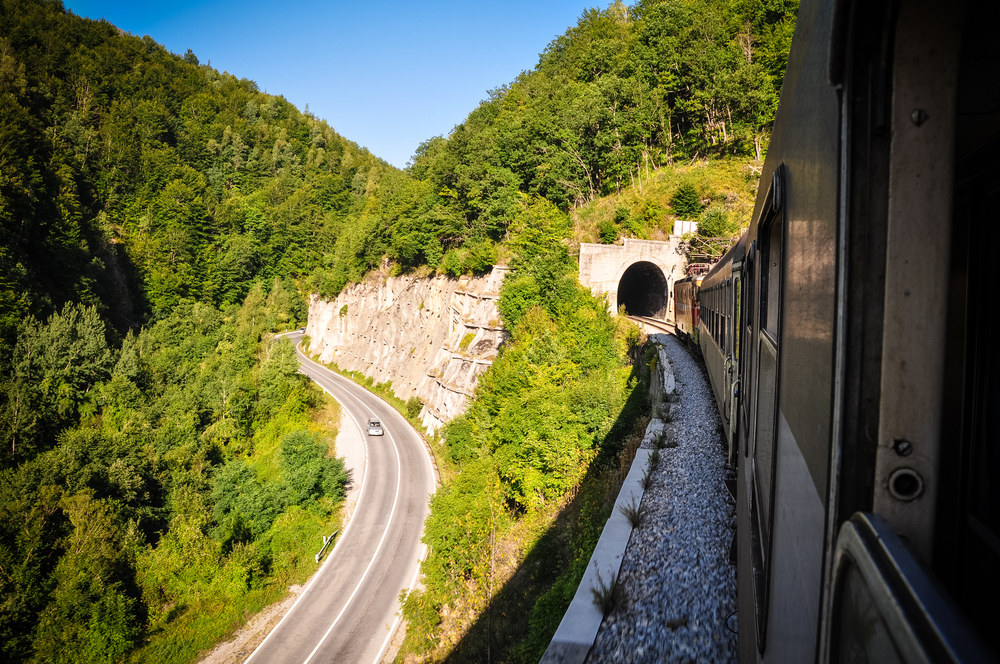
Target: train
[[850, 342]]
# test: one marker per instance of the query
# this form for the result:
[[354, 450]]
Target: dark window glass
[[863, 636], [764, 448]]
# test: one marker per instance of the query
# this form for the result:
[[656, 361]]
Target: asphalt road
[[350, 609]]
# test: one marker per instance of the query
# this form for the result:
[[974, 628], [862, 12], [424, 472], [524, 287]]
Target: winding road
[[349, 611]]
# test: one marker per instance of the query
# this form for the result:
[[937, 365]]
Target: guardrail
[[326, 543]]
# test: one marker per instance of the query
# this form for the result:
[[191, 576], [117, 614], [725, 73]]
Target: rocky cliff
[[432, 337]]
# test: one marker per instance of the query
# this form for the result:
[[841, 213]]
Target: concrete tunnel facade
[[639, 274]]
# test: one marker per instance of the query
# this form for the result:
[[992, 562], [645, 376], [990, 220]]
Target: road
[[349, 611]]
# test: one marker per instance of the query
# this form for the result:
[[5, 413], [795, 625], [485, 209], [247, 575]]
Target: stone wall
[[411, 331]]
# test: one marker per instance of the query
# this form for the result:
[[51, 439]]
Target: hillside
[[159, 219]]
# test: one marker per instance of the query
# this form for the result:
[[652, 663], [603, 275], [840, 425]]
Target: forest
[[161, 461]]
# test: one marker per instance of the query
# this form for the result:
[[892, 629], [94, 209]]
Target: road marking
[[349, 386], [399, 616], [343, 536], [364, 575]]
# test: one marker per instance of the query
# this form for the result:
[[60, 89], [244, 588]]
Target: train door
[[967, 546], [746, 369], [733, 374], [931, 485], [762, 458]]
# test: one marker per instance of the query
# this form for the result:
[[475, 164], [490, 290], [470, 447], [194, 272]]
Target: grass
[[608, 595], [647, 479], [728, 184], [634, 512]]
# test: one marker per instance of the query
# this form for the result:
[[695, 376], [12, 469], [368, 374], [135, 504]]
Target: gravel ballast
[[680, 588]]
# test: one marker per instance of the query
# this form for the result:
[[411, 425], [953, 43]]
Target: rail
[[656, 323]]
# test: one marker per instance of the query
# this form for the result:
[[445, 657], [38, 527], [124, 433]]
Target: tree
[[50, 377]]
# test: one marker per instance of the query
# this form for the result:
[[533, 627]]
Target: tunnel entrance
[[643, 291]]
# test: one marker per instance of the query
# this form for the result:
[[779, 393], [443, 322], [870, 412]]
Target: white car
[[375, 428]]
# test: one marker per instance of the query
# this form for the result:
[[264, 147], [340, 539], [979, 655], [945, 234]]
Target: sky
[[386, 74]]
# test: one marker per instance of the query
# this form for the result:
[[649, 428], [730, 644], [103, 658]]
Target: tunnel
[[643, 290]]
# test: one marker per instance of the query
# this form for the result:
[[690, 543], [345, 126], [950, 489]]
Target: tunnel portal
[[643, 291]]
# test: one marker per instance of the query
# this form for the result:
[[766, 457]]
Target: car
[[302, 330], [375, 428]]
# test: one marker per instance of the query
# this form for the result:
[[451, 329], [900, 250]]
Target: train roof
[[724, 268]]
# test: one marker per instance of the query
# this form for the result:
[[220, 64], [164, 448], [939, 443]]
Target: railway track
[[655, 323]]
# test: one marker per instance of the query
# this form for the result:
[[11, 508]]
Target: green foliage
[[138, 486], [463, 345], [608, 231], [413, 407], [685, 202], [717, 223], [49, 379], [551, 411], [343, 311], [309, 473], [541, 271]]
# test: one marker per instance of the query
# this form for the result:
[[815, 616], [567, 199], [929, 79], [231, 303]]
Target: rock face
[[432, 337]]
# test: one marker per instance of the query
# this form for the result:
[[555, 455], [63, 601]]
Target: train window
[[737, 301], [762, 475], [771, 272], [746, 403]]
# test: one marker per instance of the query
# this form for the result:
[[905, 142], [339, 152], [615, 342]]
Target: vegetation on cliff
[[549, 420]]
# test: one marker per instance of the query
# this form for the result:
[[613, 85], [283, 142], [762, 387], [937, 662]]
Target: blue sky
[[384, 73]]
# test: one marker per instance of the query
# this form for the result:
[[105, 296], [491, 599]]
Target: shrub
[[310, 474], [607, 231], [717, 223], [413, 406], [685, 202], [343, 311]]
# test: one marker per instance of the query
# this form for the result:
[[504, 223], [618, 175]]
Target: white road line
[[346, 385], [385, 531], [399, 616], [343, 536]]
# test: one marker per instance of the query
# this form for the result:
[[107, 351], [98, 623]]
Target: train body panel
[[845, 343], [687, 307], [720, 296]]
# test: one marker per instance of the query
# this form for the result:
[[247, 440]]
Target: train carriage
[[849, 340], [687, 308], [719, 340]]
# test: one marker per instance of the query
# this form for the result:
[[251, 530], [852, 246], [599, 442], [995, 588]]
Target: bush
[[413, 407], [607, 231], [309, 473], [717, 223], [685, 202]]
